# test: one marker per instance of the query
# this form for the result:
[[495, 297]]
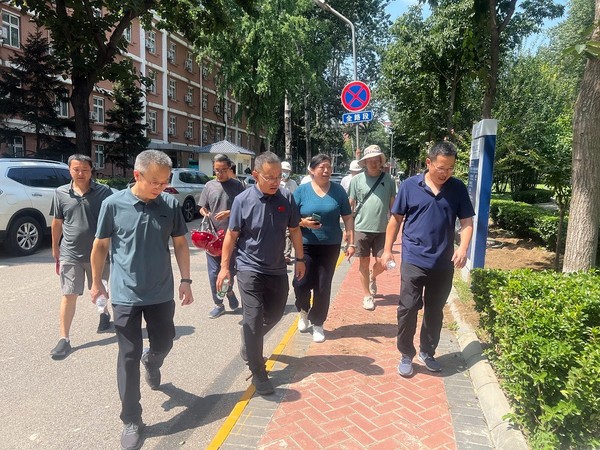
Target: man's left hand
[[185, 294], [459, 258]]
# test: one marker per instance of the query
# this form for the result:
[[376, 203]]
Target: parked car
[[336, 177], [247, 179], [187, 185], [26, 192]]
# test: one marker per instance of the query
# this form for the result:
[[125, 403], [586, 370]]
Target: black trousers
[[428, 288], [320, 267], [263, 299], [128, 327]]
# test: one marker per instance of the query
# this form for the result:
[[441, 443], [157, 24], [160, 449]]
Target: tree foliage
[[29, 91]]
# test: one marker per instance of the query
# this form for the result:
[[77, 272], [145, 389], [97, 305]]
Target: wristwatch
[[186, 280], [300, 260]]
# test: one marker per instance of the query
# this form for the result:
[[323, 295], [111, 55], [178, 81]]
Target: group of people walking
[[129, 231]]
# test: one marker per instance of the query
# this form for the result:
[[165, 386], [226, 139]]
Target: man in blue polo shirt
[[258, 221], [136, 226], [428, 205]]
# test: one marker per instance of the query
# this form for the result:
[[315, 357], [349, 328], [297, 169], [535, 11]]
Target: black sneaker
[[234, 303], [104, 324], [262, 384], [430, 363], [131, 438], [62, 349], [152, 375]]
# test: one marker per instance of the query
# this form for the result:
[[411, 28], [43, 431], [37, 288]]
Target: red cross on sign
[[356, 95]]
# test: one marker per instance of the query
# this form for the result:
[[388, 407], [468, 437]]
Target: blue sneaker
[[430, 363], [217, 311], [405, 367]]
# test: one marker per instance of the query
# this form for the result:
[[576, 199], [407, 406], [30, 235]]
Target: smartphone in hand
[[315, 217]]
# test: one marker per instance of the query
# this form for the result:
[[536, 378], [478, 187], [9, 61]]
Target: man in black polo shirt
[[75, 208], [258, 221], [428, 204]]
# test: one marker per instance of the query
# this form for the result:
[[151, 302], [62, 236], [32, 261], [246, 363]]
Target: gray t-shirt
[[217, 197], [80, 218], [141, 272], [374, 213]]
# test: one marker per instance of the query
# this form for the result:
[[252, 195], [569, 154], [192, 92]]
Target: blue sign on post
[[481, 168], [363, 116]]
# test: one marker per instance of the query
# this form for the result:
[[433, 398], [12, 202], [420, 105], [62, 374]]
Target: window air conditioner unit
[[171, 131], [93, 116], [188, 65], [171, 56], [150, 47], [188, 134], [188, 99]]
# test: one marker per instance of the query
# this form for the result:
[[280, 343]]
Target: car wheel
[[24, 237], [189, 209]]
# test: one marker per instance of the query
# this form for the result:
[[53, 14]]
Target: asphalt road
[[74, 403]]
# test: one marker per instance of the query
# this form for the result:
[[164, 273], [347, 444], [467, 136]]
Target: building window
[[230, 136], [100, 156], [127, 33], [172, 53], [218, 134], [189, 97], [62, 107], [189, 62], [228, 110], [18, 148], [172, 125], [10, 29], [204, 134], [218, 107], [152, 120], [151, 41], [152, 81], [98, 112], [205, 101], [172, 89], [189, 133], [239, 138], [205, 73]]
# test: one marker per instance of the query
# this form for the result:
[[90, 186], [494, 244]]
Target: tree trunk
[[492, 76], [307, 129], [80, 99], [584, 216], [287, 127]]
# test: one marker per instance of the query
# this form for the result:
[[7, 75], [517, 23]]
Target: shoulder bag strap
[[364, 200]]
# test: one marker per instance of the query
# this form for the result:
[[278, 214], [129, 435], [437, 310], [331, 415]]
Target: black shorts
[[369, 244]]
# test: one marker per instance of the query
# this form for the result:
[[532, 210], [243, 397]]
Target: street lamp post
[[325, 7]]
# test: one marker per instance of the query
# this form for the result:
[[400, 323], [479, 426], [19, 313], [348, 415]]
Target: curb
[[491, 398]]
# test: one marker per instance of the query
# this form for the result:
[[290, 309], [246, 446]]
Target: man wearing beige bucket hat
[[371, 194]]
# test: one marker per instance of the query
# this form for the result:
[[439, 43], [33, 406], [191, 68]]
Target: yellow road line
[[240, 406]]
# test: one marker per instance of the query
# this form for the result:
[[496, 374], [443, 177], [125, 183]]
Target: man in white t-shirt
[[354, 169], [286, 181]]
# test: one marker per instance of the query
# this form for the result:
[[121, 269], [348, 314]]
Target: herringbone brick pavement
[[347, 394]]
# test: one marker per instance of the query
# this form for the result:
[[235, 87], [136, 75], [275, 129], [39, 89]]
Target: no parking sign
[[356, 95]]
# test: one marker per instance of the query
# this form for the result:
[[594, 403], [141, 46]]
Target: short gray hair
[[442, 148], [148, 157], [80, 157], [265, 158]]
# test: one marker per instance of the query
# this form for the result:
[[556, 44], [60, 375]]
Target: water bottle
[[390, 265], [224, 288], [101, 301]]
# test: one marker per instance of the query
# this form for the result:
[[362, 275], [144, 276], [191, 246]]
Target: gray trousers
[[263, 299]]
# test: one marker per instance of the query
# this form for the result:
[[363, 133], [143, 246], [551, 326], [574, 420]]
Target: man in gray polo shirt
[[258, 221], [75, 208], [136, 224]]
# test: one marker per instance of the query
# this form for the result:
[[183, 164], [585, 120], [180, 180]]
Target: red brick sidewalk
[[346, 392]]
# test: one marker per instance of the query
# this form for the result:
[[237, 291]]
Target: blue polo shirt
[[330, 207], [141, 272], [429, 220], [262, 220]]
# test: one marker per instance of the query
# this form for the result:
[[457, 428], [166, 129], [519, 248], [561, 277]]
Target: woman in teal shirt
[[321, 205]]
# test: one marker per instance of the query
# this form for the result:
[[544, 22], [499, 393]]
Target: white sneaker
[[318, 333], [368, 303], [303, 322]]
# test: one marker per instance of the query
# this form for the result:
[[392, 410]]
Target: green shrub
[[545, 331], [547, 229], [116, 182], [533, 196]]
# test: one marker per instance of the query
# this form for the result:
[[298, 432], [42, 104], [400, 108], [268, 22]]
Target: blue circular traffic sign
[[356, 95]]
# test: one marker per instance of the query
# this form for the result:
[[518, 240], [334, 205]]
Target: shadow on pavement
[[368, 331]]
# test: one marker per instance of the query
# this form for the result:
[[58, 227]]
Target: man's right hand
[[97, 290], [385, 257], [223, 273]]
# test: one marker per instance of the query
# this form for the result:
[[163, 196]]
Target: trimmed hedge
[[517, 217], [532, 196], [118, 183], [545, 331]]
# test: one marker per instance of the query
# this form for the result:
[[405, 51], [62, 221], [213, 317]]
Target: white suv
[[186, 185], [26, 191]]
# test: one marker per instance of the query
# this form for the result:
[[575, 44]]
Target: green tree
[[124, 124], [30, 91], [88, 36]]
